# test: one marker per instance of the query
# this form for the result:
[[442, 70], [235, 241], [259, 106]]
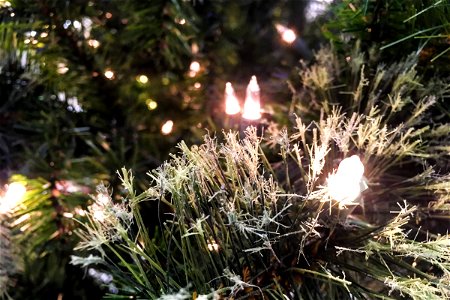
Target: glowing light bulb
[[252, 105], [213, 246], [197, 85], [347, 184], [142, 79], [109, 74], [195, 66], [62, 68], [93, 43], [167, 127], [232, 106], [77, 25], [151, 104], [287, 34], [44, 34], [14, 194]]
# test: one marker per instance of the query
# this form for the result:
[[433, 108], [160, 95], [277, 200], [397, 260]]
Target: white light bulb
[[77, 25], [62, 68], [195, 66], [252, 105], [109, 74], [347, 184], [167, 127], [232, 106], [142, 79], [213, 246], [287, 34], [93, 43]]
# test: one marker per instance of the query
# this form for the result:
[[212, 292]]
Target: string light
[[94, 43], [194, 48], [213, 246], [77, 25], [167, 127], [13, 196], [252, 105], [67, 24], [44, 34], [347, 184], [62, 68], [108, 15], [151, 104], [194, 68], [142, 79], [232, 106], [109, 74], [197, 85], [287, 34]]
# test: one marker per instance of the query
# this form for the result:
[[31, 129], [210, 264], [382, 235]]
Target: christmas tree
[[88, 87], [340, 192]]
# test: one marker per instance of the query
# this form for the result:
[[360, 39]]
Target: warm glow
[[195, 66], [109, 74], [232, 106], [44, 34], [62, 68], [287, 35], [167, 127], [94, 43], [14, 194], [197, 85], [151, 104], [252, 105], [142, 79], [213, 246], [346, 185]]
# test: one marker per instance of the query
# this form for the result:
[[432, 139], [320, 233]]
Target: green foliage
[[257, 216], [41, 228], [396, 28], [408, 118], [63, 120]]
